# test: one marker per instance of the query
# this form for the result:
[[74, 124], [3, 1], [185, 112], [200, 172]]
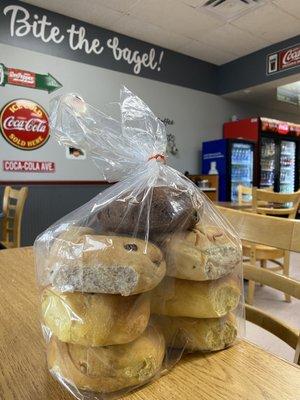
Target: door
[[287, 166], [267, 163], [241, 163], [214, 157]]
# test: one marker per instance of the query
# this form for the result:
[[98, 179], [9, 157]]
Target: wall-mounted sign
[[36, 29], [19, 77], [28, 166], [24, 124], [283, 59], [283, 128], [171, 139], [76, 38]]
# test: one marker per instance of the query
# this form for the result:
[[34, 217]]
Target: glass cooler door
[[241, 167], [267, 163], [287, 166]]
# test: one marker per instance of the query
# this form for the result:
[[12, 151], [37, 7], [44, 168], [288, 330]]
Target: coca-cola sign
[[290, 58], [284, 59], [24, 124], [28, 166]]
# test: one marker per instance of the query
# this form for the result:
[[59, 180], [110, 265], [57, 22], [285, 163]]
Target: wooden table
[[242, 372], [231, 204]]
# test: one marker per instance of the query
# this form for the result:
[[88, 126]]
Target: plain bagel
[[105, 264], [198, 334], [95, 319], [206, 299]]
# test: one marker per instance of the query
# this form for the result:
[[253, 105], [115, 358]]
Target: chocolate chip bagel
[[164, 208], [110, 368], [105, 264]]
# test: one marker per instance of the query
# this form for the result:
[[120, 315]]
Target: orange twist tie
[[158, 157]]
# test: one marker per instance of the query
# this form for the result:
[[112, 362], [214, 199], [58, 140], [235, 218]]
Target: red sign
[[283, 59], [283, 128], [289, 58], [24, 124], [21, 78], [28, 166]]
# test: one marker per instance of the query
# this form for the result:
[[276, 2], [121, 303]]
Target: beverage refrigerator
[[232, 160], [277, 145]]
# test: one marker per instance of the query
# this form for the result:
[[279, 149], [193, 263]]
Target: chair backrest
[[244, 194], [13, 205], [275, 203], [266, 321], [276, 232], [271, 231]]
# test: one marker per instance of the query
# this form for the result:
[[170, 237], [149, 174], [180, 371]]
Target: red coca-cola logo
[[24, 124], [283, 128], [290, 57]]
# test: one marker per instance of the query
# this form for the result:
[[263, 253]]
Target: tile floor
[[273, 302]]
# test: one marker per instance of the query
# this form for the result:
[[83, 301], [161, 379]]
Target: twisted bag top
[[119, 149]]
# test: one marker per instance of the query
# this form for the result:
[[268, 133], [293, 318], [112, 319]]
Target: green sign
[[19, 77]]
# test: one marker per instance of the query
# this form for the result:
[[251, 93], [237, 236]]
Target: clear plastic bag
[[145, 271]]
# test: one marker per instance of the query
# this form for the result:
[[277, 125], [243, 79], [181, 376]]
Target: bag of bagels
[[144, 272]]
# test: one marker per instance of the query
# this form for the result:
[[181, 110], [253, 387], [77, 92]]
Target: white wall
[[198, 116]]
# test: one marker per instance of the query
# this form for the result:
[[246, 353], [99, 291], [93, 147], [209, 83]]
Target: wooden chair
[[244, 191], [13, 205], [270, 203], [286, 236], [270, 323]]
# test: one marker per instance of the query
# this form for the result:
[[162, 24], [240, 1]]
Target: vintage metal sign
[[19, 77], [24, 124], [28, 166]]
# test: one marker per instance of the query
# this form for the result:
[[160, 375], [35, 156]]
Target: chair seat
[[262, 252], [6, 245]]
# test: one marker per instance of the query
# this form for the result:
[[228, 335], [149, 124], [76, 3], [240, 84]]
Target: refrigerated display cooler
[[232, 160], [277, 145]]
